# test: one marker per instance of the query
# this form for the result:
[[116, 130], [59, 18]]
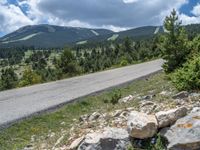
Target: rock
[[109, 139], [141, 125], [166, 118], [148, 97], [184, 134], [95, 116], [181, 95], [84, 118], [147, 107], [117, 113], [76, 143], [180, 102], [126, 99], [195, 109], [194, 95]]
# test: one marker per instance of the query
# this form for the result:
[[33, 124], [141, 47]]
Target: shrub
[[188, 77], [29, 78], [115, 97], [124, 63]]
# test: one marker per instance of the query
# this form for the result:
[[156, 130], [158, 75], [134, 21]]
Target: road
[[20, 103]]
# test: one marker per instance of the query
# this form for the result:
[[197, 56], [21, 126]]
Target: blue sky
[[111, 14], [187, 8]]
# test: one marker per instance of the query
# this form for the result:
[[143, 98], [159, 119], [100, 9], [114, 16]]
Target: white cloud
[[12, 17], [196, 10], [116, 15], [191, 19]]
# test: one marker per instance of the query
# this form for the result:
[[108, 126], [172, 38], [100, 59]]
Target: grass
[[47, 128]]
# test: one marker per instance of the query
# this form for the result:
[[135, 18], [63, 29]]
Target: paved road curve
[[20, 103]]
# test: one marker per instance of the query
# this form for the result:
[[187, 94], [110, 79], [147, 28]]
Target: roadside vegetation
[[22, 67], [46, 129], [181, 55], [181, 67]]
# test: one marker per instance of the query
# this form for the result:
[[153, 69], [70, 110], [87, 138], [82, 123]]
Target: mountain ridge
[[51, 36]]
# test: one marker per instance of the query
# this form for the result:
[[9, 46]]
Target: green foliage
[[116, 95], [124, 63], [195, 44], [174, 43], [67, 63], [188, 77], [8, 79], [29, 78]]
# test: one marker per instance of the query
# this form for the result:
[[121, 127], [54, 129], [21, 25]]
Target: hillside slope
[[47, 36]]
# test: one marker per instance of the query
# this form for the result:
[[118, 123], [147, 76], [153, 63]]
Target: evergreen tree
[[9, 79], [174, 43]]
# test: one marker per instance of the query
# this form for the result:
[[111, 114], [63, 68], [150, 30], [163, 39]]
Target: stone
[[194, 94], [147, 107], [95, 116], [74, 145], [108, 139], [184, 134], [126, 99], [167, 118], [117, 113], [195, 109], [148, 97], [181, 95], [84, 118], [141, 125]]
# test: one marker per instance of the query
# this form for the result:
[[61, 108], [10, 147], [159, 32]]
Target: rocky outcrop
[[184, 134], [109, 139], [181, 95], [76, 143], [167, 118], [141, 125], [148, 107]]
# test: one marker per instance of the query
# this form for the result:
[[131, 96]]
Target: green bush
[[188, 77], [124, 63], [115, 97]]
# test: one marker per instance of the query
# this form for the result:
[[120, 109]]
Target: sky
[[116, 15]]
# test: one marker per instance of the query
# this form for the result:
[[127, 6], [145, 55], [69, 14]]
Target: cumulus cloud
[[196, 10], [192, 19], [12, 17], [111, 14]]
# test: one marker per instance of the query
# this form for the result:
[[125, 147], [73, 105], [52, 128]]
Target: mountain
[[136, 34], [47, 36]]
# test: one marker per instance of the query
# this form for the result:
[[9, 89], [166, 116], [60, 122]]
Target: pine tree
[[174, 43]]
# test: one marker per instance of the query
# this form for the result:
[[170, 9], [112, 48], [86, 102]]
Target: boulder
[[167, 118], [184, 134], [74, 145], [109, 139], [141, 125], [181, 95], [126, 99]]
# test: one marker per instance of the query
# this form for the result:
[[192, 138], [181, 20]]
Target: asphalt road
[[21, 103]]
